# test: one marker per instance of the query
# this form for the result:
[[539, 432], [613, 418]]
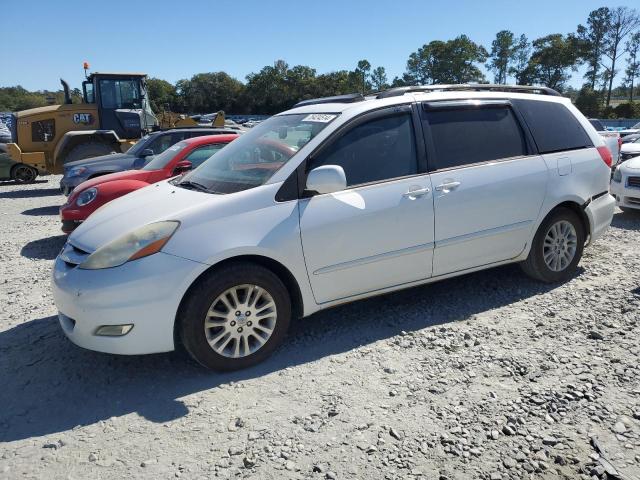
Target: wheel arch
[[72, 139], [283, 273], [577, 208]]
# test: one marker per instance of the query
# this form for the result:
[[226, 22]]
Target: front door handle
[[415, 192], [447, 186]]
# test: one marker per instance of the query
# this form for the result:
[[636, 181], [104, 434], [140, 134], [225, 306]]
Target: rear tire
[[88, 150], [234, 317], [557, 247], [23, 174]]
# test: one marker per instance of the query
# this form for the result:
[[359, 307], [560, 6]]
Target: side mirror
[[182, 166], [147, 152], [326, 179]]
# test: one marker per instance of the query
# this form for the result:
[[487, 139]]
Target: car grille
[[632, 200], [72, 255], [633, 182]]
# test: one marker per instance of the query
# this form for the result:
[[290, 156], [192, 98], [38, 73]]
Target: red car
[[92, 194]]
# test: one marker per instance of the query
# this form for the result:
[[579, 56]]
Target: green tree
[[453, 61], [210, 92], [162, 95], [623, 21], [633, 63], [592, 39], [503, 53], [589, 102], [553, 57], [379, 78], [362, 70], [520, 67]]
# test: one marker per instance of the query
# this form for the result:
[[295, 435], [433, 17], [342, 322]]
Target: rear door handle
[[417, 192], [447, 186]]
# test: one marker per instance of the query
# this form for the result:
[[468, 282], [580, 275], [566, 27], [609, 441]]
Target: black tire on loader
[[88, 150]]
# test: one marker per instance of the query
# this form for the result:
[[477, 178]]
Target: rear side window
[[553, 126], [463, 136], [381, 149]]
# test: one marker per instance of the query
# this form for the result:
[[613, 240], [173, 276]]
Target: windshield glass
[[138, 146], [252, 159], [161, 161]]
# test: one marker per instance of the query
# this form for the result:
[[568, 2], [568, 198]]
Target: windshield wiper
[[188, 184]]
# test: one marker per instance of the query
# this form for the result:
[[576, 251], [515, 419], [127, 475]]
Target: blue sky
[[176, 39]]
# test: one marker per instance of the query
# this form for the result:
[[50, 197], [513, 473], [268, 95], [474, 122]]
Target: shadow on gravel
[[12, 182], [626, 220], [45, 248], [49, 385], [41, 192], [51, 210]]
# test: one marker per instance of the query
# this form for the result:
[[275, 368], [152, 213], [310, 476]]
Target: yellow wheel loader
[[113, 115]]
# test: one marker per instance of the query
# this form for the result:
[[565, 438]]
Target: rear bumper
[[600, 214]]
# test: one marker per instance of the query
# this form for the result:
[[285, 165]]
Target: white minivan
[[336, 200]]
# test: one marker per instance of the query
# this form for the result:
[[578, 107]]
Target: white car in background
[[630, 131], [625, 185], [375, 194], [630, 150]]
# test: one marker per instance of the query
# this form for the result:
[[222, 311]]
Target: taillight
[[606, 156], [619, 142]]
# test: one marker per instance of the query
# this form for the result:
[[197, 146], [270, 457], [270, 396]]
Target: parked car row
[[335, 200], [175, 160], [135, 158]]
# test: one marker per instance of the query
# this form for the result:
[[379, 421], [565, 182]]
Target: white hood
[[633, 147], [633, 164], [161, 201]]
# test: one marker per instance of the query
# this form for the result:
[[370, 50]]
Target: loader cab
[[122, 101]]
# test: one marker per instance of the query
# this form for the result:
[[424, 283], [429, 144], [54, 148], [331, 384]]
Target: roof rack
[[480, 87], [349, 98]]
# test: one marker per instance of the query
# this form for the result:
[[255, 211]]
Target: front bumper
[[145, 293], [626, 197]]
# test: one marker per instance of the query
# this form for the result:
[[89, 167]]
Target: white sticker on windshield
[[319, 117]]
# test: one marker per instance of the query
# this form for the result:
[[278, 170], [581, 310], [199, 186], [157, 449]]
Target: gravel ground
[[487, 376]]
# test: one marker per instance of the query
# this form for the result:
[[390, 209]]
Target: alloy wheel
[[240, 321], [560, 245]]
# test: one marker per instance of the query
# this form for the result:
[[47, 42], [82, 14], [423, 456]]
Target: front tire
[[24, 174], [234, 317], [557, 247]]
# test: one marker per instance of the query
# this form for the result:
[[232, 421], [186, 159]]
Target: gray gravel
[[488, 376]]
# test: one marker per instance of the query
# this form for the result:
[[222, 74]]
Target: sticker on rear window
[[319, 117]]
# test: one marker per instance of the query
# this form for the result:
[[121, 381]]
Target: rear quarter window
[[553, 126]]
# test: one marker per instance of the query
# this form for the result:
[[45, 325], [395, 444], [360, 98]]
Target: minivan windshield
[[252, 159]]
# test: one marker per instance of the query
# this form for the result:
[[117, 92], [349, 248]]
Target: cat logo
[[83, 118]]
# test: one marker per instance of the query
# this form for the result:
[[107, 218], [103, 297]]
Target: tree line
[[607, 44]]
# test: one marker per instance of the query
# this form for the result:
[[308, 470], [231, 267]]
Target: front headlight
[[86, 197], [140, 243], [75, 171], [617, 175]]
